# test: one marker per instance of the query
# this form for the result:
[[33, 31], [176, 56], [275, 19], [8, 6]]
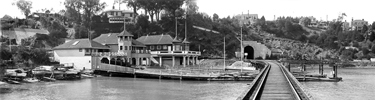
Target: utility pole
[[224, 52], [241, 43]]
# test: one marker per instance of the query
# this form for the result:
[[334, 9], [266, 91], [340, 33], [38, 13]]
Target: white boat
[[87, 76], [30, 80], [15, 72], [240, 65]]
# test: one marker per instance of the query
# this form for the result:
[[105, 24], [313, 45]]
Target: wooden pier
[[213, 75], [274, 82], [320, 77]]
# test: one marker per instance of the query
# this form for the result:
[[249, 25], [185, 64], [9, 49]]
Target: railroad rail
[[274, 82]]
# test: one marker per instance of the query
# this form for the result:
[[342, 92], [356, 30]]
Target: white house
[[78, 52]]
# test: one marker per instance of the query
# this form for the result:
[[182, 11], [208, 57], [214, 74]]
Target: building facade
[[247, 19], [167, 51], [110, 48], [79, 52], [358, 24], [122, 49], [119, 16]]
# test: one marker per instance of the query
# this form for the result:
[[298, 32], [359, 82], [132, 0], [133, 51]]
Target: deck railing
[[114, 68], [108, 54], [176, 52]]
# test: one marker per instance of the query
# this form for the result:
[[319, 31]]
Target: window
[[158, 47], [126, 47], [152, 47], [130, 48], [87, 50], [120, 47], [131, 15], [165, 47], [111, 13], [80, 50], [177, 48]]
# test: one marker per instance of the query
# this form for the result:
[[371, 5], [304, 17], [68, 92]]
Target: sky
[[320, 9]]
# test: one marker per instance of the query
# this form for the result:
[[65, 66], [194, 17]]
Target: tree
[[90, 8], [364, 29], [192, 6], [172, 5], [215, 17], [73, 10], [24, 6], [133, 4], [262, 21], [373, 25]]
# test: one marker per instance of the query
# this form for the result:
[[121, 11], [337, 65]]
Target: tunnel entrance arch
[[250, 52]]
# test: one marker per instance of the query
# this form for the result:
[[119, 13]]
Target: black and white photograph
[[187, 50]]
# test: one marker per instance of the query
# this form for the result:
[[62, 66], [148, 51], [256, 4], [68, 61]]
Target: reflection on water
[[120, 88], [357, 84]]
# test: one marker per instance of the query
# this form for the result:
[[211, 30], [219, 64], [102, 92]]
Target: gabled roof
[[185, 41], [81, 43], [116, 10], [110, 38], [125, 33], [156, 39], [176, 40], [137, 43]]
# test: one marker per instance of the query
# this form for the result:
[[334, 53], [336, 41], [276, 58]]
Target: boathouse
[[78, 52], [166, 51], [110, 48]]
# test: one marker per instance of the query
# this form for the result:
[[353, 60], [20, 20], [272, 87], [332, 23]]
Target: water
[[120, 88], [357, 84]]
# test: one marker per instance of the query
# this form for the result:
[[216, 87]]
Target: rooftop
[[81, 43], [116, 10], [111, 38], [125, 33], [22, 33], [156, 39]]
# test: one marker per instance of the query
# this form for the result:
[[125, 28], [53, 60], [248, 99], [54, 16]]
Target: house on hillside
[[22, 33], [119, 16], [168, 51], [358, 24], [248, 19]]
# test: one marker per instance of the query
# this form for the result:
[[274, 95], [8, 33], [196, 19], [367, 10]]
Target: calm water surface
[[120, 88], [357, 84]]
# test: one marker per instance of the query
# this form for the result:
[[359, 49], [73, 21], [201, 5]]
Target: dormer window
[[75, 43]]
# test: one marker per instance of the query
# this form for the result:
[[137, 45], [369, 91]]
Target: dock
[[202, 75]]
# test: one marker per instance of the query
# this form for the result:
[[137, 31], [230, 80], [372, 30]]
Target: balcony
[[181, 53], [108, 54], [141, 51]]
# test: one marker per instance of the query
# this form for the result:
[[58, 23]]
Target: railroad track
[[274, 82]]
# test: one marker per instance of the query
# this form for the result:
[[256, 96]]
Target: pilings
[[321, 69]]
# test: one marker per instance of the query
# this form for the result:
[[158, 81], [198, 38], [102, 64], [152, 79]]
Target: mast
[[224, 52]]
